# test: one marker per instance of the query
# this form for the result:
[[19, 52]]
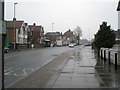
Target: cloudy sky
[[65, 14]]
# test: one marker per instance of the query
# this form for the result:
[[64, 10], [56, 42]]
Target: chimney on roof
[[14, 19], [34, 24], [26, 24]]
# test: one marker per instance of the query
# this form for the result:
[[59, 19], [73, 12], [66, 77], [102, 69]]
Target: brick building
[[69, 37], [53, 36], [17, 33], [36, 35]]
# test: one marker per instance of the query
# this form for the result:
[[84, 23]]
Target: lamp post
[[52, 32], [118, 9], [14, 19]]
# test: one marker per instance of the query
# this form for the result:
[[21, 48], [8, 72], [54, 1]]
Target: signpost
[[1, 44]]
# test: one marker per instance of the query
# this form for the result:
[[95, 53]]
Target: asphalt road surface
[[19, 64]]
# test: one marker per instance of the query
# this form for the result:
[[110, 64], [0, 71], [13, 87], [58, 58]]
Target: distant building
[[36, 35], [117, 33], [84, 41], [19, 36], [53, 36], [69, 37], [117, 36]]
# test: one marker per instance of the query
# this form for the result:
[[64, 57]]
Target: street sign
[[2, 23], [3, 27]]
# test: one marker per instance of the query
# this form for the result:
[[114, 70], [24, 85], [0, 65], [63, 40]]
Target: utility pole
[[52, 33], [118, 9], [1, 45], [14, 19], [89, 34]]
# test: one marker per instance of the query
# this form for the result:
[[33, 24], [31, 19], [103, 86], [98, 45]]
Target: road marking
[[7, 69], [8, 73], [12, 71], [24, 72], [15, 74]]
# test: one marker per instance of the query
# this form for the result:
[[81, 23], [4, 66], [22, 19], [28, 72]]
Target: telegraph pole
[[118, 9], [52, 33], [14, 19]]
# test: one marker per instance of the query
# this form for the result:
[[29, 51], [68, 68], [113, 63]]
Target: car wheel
[[7, 51]]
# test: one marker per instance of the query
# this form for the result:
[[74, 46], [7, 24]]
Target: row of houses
[[58, 38], [22, 35]]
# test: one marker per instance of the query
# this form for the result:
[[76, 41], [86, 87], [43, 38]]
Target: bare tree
[[78, 33]]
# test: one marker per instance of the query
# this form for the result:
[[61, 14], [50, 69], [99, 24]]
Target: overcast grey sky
[[65, 14]]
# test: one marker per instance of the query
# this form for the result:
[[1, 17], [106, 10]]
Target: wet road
[[21, 63]]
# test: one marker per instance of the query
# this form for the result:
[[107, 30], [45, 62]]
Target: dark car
[[88, 44]]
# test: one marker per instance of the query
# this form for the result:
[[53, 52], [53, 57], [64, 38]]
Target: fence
[[112, 55]]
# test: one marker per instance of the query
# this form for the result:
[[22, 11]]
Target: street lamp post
[[52, 32], [14, 28], [118, 9]]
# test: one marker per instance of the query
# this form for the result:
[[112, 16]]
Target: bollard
[[101, 55], [115, 60], [98, 53], [104, 55], [109, 57]]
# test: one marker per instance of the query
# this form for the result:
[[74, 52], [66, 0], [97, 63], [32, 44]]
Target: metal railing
[[110, 55]]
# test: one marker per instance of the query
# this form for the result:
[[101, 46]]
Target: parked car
[[6, 50], [75, 44], [71, 45], [59, 43], [88, 44]]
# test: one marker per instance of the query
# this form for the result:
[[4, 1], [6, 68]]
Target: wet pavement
[[85, 70], [78, 68]]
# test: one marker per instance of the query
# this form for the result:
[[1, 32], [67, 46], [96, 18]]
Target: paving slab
[[78, 69], [85, 70]]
